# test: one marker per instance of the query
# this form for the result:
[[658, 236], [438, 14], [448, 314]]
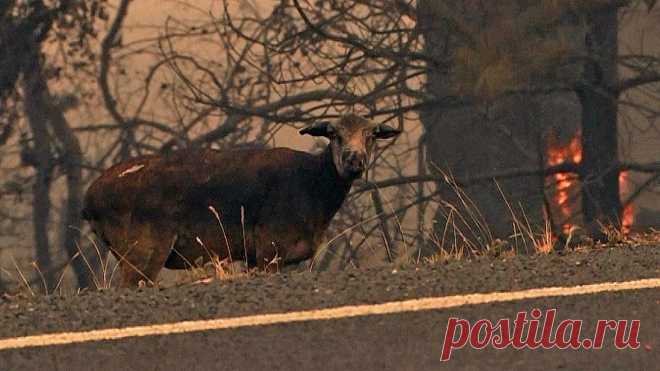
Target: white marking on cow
[[414, 305], [132, 169]]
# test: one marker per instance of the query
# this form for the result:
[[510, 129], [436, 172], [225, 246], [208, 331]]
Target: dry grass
[[104, 281], [213, 270], [225, 270], [31, 287], [466, 234], [576, 240], [204, 270], [216, 268], [649, 237]]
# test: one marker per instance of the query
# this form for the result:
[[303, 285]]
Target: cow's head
[[352, 140]]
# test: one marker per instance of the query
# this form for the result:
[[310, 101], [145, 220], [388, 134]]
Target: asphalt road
[[402, 341]]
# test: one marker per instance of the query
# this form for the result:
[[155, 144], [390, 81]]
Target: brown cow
[[271, 204]]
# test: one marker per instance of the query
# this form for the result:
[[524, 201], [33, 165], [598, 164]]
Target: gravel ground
[[295, 291]]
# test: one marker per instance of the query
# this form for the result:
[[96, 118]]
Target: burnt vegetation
[[526, 125]]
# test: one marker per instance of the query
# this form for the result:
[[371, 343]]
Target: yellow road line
[[413, 305]]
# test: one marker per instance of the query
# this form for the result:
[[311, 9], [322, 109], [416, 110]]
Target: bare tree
[[478, 87], [302, 62], [51, 145]]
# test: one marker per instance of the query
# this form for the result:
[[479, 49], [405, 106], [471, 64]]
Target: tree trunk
[[71, 165], [470, 141], [42, 102], [40, 157], [601, 201]]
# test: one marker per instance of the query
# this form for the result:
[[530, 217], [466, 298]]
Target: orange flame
[[628, 215], [565, 184]]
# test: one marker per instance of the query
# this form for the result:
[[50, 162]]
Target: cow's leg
[[143, 257]]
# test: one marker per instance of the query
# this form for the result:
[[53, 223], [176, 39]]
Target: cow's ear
[[318, 129], [384, 131]]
